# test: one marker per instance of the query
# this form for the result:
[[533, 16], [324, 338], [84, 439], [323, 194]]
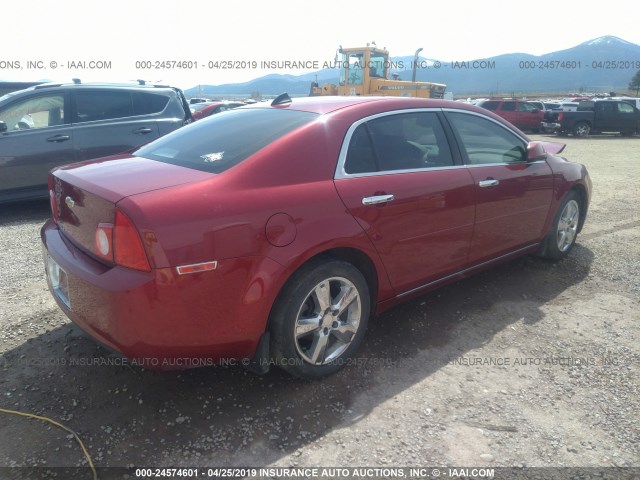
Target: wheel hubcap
[[328, 320], [568, 225]]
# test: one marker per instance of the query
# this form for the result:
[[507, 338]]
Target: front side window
[[508, 106], [220, 142], [526, 107], [485, 141], [102, 105], [405, 141], [36, 112], [625, 108]]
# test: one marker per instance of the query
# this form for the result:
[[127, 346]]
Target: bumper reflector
[[197, 267]]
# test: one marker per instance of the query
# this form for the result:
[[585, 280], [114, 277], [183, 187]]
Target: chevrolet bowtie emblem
[[70, 202]]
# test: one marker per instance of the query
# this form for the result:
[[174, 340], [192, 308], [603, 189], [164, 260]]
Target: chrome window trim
[[396, 172], [524, 162], [340, 172]]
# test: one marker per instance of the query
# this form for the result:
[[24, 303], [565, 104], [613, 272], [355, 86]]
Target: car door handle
[[377, 199], [489, 182], [142, 131], [58, 138]]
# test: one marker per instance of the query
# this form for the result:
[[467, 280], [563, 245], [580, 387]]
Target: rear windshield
[[221, 141]]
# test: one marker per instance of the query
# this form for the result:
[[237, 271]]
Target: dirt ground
[[532, 363]]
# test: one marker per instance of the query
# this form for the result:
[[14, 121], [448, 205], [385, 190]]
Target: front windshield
[[355, 63]]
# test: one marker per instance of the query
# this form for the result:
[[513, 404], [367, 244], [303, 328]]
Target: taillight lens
[[120, 243], [127, 244], [560, 116]]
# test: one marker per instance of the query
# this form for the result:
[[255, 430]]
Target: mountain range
[[600, 65]]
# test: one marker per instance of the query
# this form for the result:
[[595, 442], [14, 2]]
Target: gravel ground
[[532, 363]]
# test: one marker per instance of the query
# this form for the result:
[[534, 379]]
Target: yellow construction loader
[[365, 71]]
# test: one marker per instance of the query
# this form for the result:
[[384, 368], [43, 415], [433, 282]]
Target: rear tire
[[564, 229], [320, 318], [581, 129]]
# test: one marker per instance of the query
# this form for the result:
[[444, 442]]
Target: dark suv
[[54, 124]]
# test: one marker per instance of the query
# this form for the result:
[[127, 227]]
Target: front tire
[[320, 318], [564, 230]]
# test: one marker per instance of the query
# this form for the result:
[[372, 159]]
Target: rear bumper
[[162, 320], [550, 126]]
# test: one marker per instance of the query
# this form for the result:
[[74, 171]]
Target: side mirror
[[535, 152], [3, 127]]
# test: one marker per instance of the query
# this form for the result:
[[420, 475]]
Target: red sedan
[[273, 232]]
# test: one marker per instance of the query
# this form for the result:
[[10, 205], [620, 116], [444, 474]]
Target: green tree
[[635, 83]]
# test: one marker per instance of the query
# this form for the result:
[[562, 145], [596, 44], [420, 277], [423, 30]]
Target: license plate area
[[59, 281]]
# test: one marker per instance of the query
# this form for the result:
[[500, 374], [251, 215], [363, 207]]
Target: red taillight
[[127, 245], [560, 116], [52, 199]]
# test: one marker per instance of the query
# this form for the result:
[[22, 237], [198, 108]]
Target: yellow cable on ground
[[86, 453]]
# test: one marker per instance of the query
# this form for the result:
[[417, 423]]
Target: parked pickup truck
[[595, 117]]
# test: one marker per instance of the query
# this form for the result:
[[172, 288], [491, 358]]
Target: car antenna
[[281, 99]]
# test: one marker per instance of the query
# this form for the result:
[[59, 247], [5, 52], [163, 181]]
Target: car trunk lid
[[85, 195]]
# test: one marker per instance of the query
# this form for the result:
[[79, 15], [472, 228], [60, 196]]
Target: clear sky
[[124, 32]]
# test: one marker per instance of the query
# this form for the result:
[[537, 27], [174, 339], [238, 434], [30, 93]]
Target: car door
[[509, 112], [513, 196], [605, 117], [104, 123], [398, 178], [38, 138], [626, 117], [528, 116]]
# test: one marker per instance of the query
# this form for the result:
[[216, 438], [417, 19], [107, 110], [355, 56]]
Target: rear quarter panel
[[225, 217]]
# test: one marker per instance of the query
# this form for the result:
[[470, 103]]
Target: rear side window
[[102, 105], [148, 103], [586, 105], [407, 141], [220, 142], [508, 106], [490, 105]]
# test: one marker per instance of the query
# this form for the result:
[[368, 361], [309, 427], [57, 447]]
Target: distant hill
[[603, 64]]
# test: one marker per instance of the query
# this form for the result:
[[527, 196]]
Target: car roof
[[323, 105], [80, 86]]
